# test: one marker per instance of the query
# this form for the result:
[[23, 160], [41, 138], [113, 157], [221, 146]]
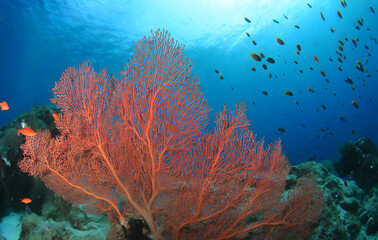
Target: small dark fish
[[216, 70], [339, 68], [279, 40], [285, 16], [322, 73], [346, 39], [274, 20], [296, 26], [247, 20], [324, 107], [311, 68], [339, 14], [342, 118], [253, 69], [359, 22], [342, 3], [247, 34], [321, 14], [220, 76], [298, 52], [315, 59], [311, 90], [232, 88], [349, 80], [355, 104], [341, 48], [339, 59], [265, 92], [262, 54], [372, 9], [255, 57], [341, 42], [270, 60], [288, 93], [282, 130], [309, 5], [358, 27], [327, 80], [330, 59], [300, 70], [299, 47], [352, 131], [366, 47], [254, 42], [295, 62], [359, 67], [269, 75], [332, 30], [264, 66]]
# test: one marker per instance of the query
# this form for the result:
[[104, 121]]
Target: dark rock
[[360, 160]]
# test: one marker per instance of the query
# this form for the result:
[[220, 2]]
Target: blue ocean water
[[39, 39]]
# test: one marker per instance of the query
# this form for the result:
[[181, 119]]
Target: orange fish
[[288, 93], [26, 200], [315, 59], [55, 116], [4, 106], [27, 132]]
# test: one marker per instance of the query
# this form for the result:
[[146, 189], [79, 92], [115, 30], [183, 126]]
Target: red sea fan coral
[[137, 146]]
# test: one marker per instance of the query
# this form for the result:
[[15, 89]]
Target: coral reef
[[138, 146], [359, 159], [350, 212], [14, 184]]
